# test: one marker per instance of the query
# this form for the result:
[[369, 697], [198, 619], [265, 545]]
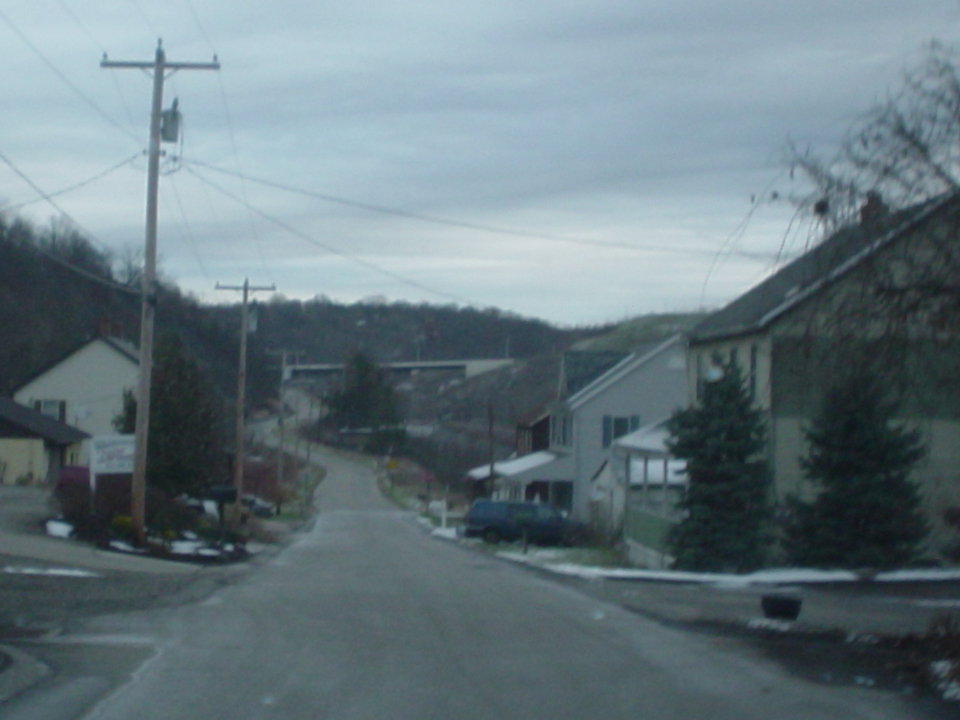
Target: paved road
[[368, 617]]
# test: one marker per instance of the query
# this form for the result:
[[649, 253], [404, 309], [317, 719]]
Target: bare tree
[[901, 164], [905, 150]]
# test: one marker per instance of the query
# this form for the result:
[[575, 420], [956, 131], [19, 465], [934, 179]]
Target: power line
[[83, 272], [187, 232], [102, 49], [70, 188], [56, 71], [330, 248], [437, 220], [37, 189]]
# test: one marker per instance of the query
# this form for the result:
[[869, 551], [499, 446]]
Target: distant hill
[[640, 330], [324, 331], [57, 291]]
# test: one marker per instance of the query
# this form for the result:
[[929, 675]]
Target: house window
[[561, 430], [618, 426], [699, 376], [56, 409]]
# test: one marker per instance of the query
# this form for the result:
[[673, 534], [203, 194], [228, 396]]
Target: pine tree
[[725, 526], [867, 511], [185, 450], [367, 401]]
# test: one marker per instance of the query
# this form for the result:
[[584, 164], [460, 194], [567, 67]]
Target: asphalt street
[[366, 616]]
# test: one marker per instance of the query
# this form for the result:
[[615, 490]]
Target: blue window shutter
[[607, 430], [634, 422]]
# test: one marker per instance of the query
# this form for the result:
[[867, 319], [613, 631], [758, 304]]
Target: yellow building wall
[[22, 459]]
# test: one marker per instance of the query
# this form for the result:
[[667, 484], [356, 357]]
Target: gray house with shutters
[[600, 397]]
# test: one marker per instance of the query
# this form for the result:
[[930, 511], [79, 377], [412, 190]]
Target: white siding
[[91, 381]]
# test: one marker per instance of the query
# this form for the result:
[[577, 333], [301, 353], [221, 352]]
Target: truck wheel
[[491, 536]]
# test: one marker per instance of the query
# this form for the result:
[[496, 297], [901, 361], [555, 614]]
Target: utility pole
[[281, 423], [246, 289], [148, 294]]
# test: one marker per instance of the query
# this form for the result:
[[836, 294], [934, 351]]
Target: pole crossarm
[[151, 65]]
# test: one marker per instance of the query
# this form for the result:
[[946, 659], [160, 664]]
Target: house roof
[[643, 354], [122, 347], [799, 279], [648, 440], [580, 368], [38, 424], [514, 466]]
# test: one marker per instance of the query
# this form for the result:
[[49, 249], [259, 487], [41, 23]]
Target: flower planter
[[781, 607]]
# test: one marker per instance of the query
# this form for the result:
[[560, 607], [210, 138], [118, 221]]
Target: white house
[[616, 395], [85, 388]]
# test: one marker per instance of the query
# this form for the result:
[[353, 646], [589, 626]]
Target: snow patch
[[58, 572], [919, 575], [59, 528], [768, 624], [777, 576], [121, 546], [449, 533], [943, 671]]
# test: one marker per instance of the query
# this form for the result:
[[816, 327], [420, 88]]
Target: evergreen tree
[[185, 450], [725, 525], [367, 401], [867, 511]]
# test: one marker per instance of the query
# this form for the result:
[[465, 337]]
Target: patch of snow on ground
[[943, 671], [59, 572], [775, 576], [918, 575], [126, 547], [945, 604], [59, 528], [767, 624], [450, 533], [186, 547]]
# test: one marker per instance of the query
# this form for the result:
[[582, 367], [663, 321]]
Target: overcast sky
[[578, 161]]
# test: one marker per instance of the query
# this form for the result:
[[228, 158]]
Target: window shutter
[[634, 422], [607, 430]]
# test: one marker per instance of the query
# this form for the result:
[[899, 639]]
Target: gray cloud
[[635, 122]]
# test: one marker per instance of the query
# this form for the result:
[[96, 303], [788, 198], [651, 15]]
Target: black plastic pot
[[781, 607]]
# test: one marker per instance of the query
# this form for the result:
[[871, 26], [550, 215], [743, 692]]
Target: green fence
[[646, 528]]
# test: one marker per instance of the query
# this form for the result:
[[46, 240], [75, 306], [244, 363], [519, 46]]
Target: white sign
[[111, 454]]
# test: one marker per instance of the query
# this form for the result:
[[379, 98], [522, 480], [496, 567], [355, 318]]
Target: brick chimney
[[873, 209]]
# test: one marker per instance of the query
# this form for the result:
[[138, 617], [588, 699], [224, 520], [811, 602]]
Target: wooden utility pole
[[246, 289], [148, 301], [281, 423]]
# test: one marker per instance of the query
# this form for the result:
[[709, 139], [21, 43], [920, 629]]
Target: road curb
[[22, 672]]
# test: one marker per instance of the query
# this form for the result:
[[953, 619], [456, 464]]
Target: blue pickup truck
[[496, 520]]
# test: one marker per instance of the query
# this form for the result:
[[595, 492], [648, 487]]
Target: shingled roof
[[838, 254], [27, 422], [125, 348]]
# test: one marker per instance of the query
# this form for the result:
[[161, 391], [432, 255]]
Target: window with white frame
[[615, 426], [561, 429]]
